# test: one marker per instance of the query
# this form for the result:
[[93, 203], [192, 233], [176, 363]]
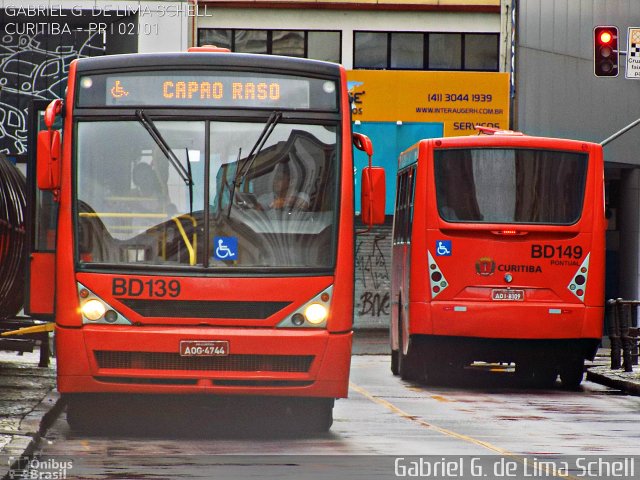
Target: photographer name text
[[474, 467]]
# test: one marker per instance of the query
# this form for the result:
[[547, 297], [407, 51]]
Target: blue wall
[[389, 140]]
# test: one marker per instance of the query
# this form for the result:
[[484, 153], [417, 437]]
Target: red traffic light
[[605, 51], [605, 36]]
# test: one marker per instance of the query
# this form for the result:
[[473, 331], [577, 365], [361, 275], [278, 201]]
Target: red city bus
[[498, 256], [204, 231]]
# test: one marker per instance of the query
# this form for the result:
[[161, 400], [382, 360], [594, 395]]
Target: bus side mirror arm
[[49, 151], [372, 198]]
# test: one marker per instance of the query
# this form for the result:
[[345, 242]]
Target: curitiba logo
[[485, 266]]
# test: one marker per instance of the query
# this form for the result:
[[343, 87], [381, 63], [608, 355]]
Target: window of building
[[318, 45], [324, 46], [288, 42], [480, 51], [250, 41], [407, 51], [215, 36], [370, 50], [445, 51], [426, 51]]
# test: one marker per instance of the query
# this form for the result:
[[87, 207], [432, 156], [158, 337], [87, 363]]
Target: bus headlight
[[93, 309], [316, 313]]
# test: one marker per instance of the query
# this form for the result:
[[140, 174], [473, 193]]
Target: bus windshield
[[227, 195], [504, 185]]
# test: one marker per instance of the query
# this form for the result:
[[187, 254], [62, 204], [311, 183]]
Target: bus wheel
[[313, 414], [537, 376], [545, 376], [394, 362], [81, 413], [409, 365], [439, 371], [571, 374], [395, 354]]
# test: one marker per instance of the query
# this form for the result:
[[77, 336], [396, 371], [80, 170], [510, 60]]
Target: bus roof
[[410, 155]]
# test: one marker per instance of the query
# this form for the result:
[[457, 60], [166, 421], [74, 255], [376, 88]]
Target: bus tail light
[[436, 279], [578, 283], [313, 314], [509, 232], [94, 310]]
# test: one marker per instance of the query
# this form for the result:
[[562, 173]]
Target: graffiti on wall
[[36, 67], [373, 279]]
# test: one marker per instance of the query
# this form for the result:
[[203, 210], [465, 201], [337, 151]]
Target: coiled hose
[[12, 238]]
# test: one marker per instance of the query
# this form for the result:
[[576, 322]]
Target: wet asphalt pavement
[[484, 414]]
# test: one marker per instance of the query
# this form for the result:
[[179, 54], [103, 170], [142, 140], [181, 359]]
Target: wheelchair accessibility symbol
[[443, 248], [225, 248]]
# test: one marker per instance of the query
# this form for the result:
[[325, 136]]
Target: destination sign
[[206, 89]]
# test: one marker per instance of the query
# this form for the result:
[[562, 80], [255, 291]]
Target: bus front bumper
[[258, 361]]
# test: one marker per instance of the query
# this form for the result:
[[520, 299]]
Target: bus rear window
[[494, 185]]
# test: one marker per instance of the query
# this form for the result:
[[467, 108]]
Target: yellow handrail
[[191, 248]]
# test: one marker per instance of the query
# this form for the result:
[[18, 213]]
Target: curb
[[611, 380], [32, 427]]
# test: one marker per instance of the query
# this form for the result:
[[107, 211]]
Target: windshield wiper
[[270, 124], [243, 170], [189, 172], [148, 124]]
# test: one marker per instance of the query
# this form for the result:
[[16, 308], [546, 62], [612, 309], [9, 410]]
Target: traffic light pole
[[620, 132]]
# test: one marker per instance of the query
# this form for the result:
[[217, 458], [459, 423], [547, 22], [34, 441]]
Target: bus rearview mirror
[[362, 142], [48, 160], [373, 195]]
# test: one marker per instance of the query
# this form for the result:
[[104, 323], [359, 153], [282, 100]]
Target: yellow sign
[[459, 100]]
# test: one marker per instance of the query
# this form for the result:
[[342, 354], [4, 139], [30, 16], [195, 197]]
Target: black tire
[[101, 412], [537, 376], [571, 374], [394, 362], [395, 354], [438, 371], [410, 366], [545, 376], [311, 415], [322, 419], [82, 414]]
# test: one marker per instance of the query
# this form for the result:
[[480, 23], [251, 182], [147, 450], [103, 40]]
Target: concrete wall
[[372, 302], [557, 93]]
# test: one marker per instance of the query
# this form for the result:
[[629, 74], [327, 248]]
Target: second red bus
[[498, 256]]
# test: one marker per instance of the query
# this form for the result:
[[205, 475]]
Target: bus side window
[[412, 184], [400, 217]]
